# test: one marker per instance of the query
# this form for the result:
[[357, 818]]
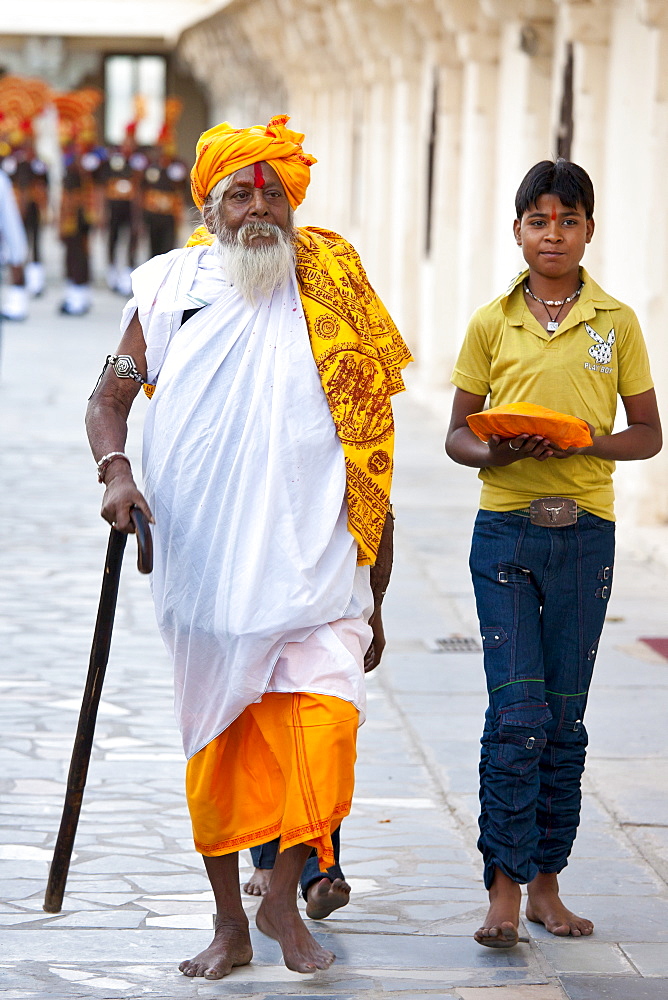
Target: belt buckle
[[553, 512]]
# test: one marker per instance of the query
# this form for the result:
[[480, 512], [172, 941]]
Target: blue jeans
[[541, 595], [264, 856]]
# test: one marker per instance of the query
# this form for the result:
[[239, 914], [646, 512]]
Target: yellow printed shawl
[[359, 354]]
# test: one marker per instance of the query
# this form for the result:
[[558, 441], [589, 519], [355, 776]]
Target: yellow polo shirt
[[597, 353]]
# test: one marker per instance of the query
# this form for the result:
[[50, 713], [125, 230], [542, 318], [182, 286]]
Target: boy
[[558, 340]]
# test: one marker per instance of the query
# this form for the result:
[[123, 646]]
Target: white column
[[375, 181], [402, 223], [478, 175], [439, 336], [524, 96], [652, 497], [588, 29]]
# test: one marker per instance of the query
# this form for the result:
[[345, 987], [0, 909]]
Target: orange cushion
[[561, 429]]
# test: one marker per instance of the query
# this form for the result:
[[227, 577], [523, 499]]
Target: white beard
[[255, 271]]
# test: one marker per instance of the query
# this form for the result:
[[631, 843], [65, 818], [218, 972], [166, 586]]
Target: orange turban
[[223, 150]]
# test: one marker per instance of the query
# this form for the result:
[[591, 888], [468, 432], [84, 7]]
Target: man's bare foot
[[325, 896], [545, 907], [231, 946], [500, 927], [281, 921], [258, 883]]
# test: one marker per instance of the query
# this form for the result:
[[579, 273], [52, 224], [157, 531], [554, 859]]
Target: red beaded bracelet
[[106, 461]]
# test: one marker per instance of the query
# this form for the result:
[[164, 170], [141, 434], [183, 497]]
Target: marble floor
[[137, 899]]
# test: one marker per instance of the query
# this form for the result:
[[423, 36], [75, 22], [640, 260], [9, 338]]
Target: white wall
[[357, 78]]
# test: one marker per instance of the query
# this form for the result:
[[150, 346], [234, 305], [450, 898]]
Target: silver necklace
[[554, 320]]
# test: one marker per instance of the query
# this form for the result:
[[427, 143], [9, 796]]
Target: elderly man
[[267, 464]]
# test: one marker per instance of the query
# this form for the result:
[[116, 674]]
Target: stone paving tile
[[548, 992], [614, 988], [59, 980], [623, 878], [138, 899], [642, 918], [609, 843], [649, 959], [583, 955]]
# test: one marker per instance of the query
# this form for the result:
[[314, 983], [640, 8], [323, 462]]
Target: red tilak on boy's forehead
[[553, 216], [258, 175]]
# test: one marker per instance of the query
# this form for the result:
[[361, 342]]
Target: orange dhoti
[[284, 767]]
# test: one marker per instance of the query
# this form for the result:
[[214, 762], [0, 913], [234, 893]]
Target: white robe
[[245, 476]]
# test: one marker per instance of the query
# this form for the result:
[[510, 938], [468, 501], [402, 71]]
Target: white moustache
[[257, 229]]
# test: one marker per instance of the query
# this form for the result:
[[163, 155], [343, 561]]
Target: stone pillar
[[652, 498], [479, 52], [439, 336], [403, 217], [376, 230], [523, 108], [587, 27]]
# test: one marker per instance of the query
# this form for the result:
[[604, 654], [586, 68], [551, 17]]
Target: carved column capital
[[518, 10], [653, 13], [478, 46], [586, 21], [460, 15], [447, 51]]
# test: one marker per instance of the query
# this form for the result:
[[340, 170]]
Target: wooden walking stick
[[83, 741]]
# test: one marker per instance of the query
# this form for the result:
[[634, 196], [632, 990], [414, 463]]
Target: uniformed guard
[[30, 177], [164, 185], [21, 100], [79, 210], [121, 177]]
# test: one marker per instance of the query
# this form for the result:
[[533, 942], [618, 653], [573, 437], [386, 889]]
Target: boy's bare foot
[[545, 907], [325, 896], [258, 883], [279, 919], [231, 946], [500, 927]]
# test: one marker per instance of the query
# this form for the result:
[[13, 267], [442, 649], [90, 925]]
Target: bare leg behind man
[[322, 897], [324, 892]]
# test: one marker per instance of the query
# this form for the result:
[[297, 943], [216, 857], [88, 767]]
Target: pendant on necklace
[[552, 326]]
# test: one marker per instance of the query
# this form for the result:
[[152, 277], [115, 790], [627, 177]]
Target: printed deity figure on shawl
[[267, 464]]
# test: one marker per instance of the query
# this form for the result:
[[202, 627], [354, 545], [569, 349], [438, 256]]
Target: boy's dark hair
[[570, 183]]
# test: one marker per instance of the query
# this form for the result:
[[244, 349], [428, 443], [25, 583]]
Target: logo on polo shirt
[[600, 351]]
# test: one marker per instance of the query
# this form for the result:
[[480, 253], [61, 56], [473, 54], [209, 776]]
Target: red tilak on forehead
[[258, 175], [553, 216]]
